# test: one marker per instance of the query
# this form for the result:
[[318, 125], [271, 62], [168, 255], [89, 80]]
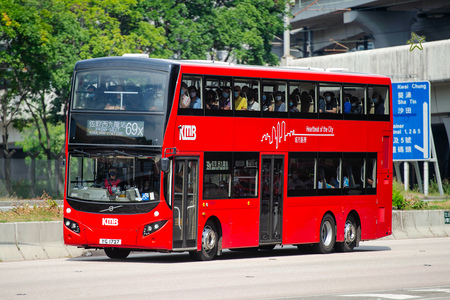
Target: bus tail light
[[72, 225], [152, 227]]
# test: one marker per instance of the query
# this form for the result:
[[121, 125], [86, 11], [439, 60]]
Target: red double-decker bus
[[175, 156]]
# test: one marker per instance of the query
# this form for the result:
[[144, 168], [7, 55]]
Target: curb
[[419, 224], [44, 240], [35, 240]]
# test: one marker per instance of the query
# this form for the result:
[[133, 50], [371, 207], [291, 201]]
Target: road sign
[[411, 109]]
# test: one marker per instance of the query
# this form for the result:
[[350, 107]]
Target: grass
[[413, 199], [439, 205], [47, 211]]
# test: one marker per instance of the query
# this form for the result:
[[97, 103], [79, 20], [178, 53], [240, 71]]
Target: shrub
[[398, 200]]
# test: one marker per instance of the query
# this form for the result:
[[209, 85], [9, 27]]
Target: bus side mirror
[[164, 164]]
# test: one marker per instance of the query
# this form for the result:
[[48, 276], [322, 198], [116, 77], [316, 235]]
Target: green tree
[[242, 28], [44, 38], [21, 33], [247, 28]]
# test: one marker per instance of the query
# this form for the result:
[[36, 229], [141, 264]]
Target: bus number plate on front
[[110, 241]]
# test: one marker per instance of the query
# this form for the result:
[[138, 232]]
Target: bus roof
[[166, 65]]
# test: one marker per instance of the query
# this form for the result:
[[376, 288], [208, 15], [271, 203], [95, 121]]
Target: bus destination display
[[115, 128]]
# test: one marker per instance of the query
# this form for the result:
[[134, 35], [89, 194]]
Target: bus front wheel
[[210, 239], [117, 252], [327, 235]]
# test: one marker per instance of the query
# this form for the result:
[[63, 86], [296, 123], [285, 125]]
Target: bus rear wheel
[[210, 239], [327, 235], [117, 252], [351, 231]]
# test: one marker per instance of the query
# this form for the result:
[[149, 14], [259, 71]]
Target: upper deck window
[[131, 90], [302, 95], [378, 100]]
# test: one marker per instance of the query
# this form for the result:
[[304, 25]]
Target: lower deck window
[[311, 174], [230, 175]]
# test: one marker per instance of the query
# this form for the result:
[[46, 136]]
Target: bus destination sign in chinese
[[115, 128], [411, 109]]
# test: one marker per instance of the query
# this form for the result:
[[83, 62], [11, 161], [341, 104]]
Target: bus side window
[[245, 174], [276, 96], [302, 96], [353, 181], [329, 175], [378, 100], [217, 175], [191, 92], [330, 99]]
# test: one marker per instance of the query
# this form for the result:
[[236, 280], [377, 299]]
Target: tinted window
[[378, 102], [131, 90]]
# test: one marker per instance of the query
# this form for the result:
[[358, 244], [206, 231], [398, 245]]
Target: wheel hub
[[327, 232], [208, 239], [350, 232]]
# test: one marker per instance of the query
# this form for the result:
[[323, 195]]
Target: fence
[[29, 177]]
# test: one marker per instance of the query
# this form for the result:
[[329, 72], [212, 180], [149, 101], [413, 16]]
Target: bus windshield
[[113, 178], [133, 90]]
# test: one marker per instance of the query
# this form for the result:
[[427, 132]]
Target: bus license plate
[[111, 241]]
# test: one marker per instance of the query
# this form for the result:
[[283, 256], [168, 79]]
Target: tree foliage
[[41, 40]]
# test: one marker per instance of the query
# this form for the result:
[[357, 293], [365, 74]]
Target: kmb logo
[[110, 222], [188, 132]]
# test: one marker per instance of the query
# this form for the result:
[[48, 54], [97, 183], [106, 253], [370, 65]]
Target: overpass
[[400, 64]]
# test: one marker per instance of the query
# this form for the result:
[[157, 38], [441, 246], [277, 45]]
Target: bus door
[[271, 207], [185, 204]]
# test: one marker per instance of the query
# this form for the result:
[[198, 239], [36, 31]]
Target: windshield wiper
[[82, 152], [122, 153]]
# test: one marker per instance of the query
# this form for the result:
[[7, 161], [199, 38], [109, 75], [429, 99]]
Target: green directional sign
[[447, 217]]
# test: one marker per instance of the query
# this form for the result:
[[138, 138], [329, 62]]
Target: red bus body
[[237, 220]]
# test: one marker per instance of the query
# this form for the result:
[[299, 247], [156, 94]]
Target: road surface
[[383, 269]]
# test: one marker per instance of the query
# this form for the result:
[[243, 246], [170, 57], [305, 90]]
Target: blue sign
[[411, 109]]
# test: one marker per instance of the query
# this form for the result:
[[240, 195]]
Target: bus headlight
[[152, 227], [71, 225]]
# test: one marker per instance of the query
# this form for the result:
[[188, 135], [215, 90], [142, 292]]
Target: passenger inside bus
[[378, 103], [115, 100], [240, 102], [330, 102], [91, 96], [323, 182], [211, 100], [196, 102], [305, 102], [224, 101], [293, 102], [347, 104], [356, 107], [295, 182], [185, 101], [253, 104], [279, 102], [134, 100], [95, 98], [268, 102]]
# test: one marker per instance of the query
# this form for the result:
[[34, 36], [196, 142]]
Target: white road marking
[[383, 296]]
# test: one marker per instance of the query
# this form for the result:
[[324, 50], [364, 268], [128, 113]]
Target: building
[[334, 34]]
